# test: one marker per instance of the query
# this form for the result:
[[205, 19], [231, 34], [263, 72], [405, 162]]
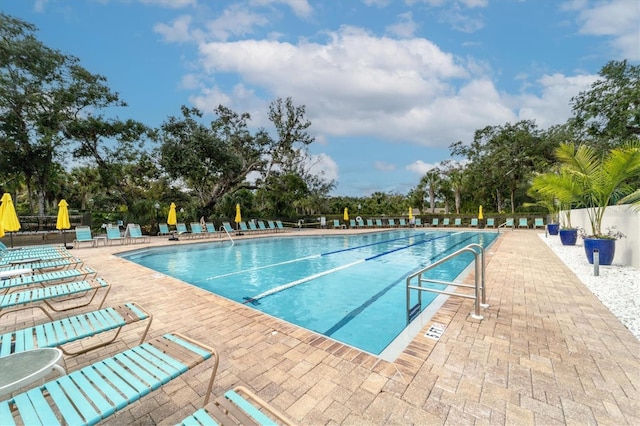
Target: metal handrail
[[222, 228], [479, 285], [504, 225]]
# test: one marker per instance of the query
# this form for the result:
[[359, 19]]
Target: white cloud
[[618, 19], [405, 26], [420, 167], [235, 21], [300, 8], [324, 166], [173, 4]]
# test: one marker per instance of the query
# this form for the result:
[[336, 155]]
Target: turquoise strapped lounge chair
[[280, 226], [163, 229], [523, 222], [252, 227], [226, 226], [457, 221], [379, 223], [243, 227], [61, 332], [435, 221], [272, 226], [491, 222], [113, 234], [237, 406], [83, 235], [47, 278], [262, 226], [402, 223], [95, 392], [370, 223], [196, 230], [418, 222], [538, 222], [211, 229], [181, 229], [392, 223], [445, 221], [35, 297], [133, 234], [474, 222], [509, 223], [46, 265], [352, 223]]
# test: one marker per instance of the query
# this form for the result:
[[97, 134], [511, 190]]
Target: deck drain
[[435, 331]]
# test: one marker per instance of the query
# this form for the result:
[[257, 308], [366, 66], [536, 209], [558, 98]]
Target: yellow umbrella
[[8, 217], [63, 219], [480, 213], [238, 218], [345, 216], [173, 218], [410, 213]]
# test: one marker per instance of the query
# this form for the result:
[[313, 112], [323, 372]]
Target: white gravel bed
[[617, 286]]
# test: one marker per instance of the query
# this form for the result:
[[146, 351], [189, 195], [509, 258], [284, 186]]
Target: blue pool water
[[351, 288]]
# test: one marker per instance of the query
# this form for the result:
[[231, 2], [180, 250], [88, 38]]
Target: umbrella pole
[[11, 234]]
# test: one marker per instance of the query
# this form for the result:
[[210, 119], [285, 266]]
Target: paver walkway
[[548, 352]]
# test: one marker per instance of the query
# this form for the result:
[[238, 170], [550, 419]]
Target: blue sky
[[388, 85]]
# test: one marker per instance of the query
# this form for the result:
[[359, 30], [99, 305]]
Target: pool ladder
[[479, 287], [222, 228]]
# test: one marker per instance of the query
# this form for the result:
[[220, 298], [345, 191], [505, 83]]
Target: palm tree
[[600, 180]]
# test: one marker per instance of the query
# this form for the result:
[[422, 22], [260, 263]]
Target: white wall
[[626, 221]]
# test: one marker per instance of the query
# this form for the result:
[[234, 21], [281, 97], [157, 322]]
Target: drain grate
[[435, 331]]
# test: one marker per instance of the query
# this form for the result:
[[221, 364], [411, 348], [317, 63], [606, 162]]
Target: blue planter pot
[[606, 249], [568, 237], [552, 228]]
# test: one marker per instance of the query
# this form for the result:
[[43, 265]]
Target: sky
[[388, 85]]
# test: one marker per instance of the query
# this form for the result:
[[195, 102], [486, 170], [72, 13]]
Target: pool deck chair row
[[45, 265], [61, 333], [97, 391], [50, 296]]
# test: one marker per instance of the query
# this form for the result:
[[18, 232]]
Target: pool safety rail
[[223, 229], [415, 281]]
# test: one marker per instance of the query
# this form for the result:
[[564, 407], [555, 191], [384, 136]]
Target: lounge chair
[[474, 222], [252, 227], [280, 226], [435, 221], [491, 222], [34, 298], [523, 222], [337, 224], [95, 392], [211, 229], [48, 278], [445, 221], [18, 253], [457, 221], [181, 229], [237, 406], [418, 222], [83, 235], [15, 258], [163, 229], [370, 223], [133, 234], [379, 223], [113, 234], [243, 228], [262, 226], [392, 223], [196, 230], [538, 222], [402, 223], [360, 222], [61, 332], [509, 223], [352, 223], [272, 226], [45, 265]]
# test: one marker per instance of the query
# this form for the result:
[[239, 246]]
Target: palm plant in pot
[[600, 181], [558, 192]]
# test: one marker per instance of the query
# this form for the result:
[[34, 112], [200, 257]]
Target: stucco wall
[[626, 221]]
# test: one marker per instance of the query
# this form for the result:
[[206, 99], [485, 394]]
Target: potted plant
[[600, 180], [555, 190]]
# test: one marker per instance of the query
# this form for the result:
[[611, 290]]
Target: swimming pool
[[350, 288]]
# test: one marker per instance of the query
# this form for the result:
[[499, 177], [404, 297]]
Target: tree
[[609, 112], [431, 181]]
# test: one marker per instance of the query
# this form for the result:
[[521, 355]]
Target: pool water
[[351, 288]]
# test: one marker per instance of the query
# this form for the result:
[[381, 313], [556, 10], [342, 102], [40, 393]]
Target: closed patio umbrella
[[238, 218], [345, 215], [480, 213], [8, 217], [173, 218], [63, 220], [410, 213]]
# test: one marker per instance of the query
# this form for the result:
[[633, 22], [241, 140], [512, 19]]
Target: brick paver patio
[[548, 352]]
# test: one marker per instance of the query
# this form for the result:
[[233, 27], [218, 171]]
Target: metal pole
[[596, 262]]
